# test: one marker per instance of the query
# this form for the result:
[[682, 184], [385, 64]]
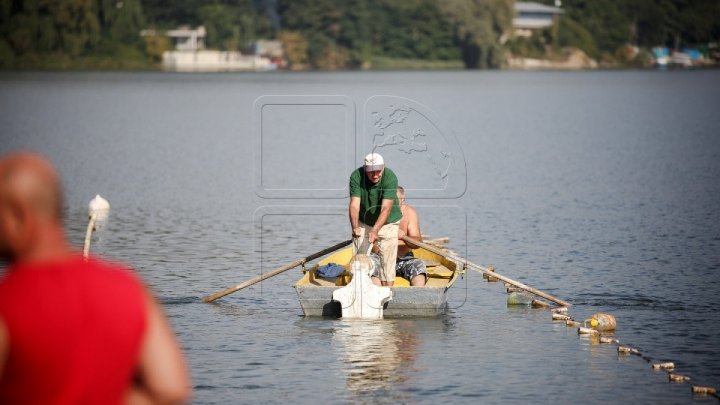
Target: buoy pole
[[88, 234], [98, 211]]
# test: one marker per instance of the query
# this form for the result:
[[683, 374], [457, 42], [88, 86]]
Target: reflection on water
[[376, 355]]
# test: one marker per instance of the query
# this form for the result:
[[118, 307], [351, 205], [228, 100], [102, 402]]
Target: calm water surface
[[602, 188]]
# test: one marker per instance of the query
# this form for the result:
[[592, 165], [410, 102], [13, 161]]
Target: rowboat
[[315, 293]]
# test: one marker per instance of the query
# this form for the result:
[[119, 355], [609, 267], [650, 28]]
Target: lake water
[[601, 188]]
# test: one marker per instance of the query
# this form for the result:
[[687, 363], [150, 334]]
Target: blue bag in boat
[[330, 270]]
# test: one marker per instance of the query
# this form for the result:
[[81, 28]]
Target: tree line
[[339, 34], [601, 28]]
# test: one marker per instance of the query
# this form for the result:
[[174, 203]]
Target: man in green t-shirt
[[375, 212]]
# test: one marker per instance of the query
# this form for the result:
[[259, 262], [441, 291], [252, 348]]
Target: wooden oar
[[484, 270], [277, 271]]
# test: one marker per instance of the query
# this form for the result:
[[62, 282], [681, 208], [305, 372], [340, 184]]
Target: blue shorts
[[406, 267]]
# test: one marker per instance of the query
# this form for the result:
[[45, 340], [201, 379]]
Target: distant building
[[190, 54], [187, 39], [531, 16], [267, 47], [271, 49]]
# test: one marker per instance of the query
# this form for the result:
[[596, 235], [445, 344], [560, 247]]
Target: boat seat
[[439, 272]]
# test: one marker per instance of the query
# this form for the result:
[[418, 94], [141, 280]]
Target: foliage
[[332, 57], [572, 34], [319, 21], [699, 21], [296, 48], [180, 12], [7, 56], [608, 25], [532, 47], [232, 27], [156, 45], [479, 24], [360, 30], [413, 29], [333, 34], [220, 21], [121, 20], [69, 26]]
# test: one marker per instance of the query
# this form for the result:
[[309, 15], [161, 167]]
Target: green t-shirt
[[371, 195]]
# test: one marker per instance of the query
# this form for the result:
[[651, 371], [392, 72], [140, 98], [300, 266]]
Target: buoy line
[[600, 323]]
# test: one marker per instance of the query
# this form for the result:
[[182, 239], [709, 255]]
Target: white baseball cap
[[374, 162]]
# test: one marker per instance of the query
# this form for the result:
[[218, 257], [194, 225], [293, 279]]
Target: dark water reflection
[[598, 187]]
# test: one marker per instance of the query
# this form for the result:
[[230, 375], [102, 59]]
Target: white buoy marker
[[98, 212]]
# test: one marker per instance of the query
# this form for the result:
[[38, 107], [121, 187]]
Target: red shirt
[[75, 330]]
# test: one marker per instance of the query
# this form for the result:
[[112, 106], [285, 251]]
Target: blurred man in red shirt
[[73, 330]]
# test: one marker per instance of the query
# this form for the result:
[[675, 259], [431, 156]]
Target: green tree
[[320, 21], [222, 25], [62, 26], [121, 20], [479, 24], [413, 29], [572, 34], [650, 21], [700, 21], [296, 48], [156, 45], [356, 31], [609, 26], [172, 14]]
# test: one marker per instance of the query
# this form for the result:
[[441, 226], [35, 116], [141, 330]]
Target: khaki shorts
[[388, 243]]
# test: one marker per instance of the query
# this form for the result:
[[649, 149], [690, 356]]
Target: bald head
[[30, 209], [28, 178]]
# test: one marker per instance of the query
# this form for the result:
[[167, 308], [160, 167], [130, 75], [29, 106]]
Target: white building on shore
[[531, 16], [190, 55]]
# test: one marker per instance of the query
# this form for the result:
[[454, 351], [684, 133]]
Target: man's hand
[[372, 235], [356, 231]]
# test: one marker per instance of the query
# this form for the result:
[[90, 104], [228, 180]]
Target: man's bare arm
[[354, 214], [4, 346], [162, 375]]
